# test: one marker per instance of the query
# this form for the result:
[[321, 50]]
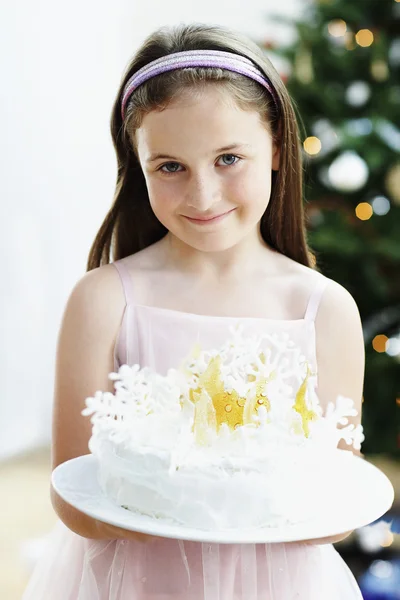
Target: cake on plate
[[224, 441]]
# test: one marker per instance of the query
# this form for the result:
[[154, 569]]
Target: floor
[[26, 515]]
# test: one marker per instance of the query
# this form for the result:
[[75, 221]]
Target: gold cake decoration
[[215, 406], [300, 406]]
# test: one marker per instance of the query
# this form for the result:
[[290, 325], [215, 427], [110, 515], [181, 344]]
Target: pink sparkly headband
[[196, 58]]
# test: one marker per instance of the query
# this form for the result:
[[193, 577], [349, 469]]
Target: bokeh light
[[380, 205], [312, 145], [379, 70], [379, 343], [364, 38], [337, 27], [364, 211]]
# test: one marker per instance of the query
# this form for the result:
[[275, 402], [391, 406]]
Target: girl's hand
[[111, 532]]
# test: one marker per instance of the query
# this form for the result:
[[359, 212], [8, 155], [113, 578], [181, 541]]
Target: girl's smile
[[208, 220]]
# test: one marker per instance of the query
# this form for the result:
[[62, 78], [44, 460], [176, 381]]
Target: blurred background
[[61, 66]]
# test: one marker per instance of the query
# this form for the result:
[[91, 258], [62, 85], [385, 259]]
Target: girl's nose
[[203, 193]]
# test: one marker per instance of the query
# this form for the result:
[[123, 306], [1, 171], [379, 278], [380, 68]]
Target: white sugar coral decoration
[[338, 414], [261, 385]]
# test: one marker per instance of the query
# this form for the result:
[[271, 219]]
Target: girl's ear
[[276, 155]]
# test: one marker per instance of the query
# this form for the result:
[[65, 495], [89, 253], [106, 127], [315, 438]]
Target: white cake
[[224, 442]]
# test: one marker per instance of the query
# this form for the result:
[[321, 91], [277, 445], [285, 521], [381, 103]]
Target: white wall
[[61, 64], [250, 17]]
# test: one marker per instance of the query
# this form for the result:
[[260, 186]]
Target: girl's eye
[[230, 159], [172, 167]]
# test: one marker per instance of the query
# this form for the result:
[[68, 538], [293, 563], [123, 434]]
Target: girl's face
[[207, 165]]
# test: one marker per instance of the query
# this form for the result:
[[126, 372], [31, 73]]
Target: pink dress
[[76, 568]]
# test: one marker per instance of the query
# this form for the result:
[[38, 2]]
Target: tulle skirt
[[76, 568]]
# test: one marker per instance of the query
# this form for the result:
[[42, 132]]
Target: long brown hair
[[130, 224]]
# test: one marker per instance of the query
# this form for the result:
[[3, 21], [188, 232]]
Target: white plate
[[76, 482]]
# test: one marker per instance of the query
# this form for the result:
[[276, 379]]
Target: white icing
[[149, 460]]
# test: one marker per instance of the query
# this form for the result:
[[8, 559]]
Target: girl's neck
[[249, 255]]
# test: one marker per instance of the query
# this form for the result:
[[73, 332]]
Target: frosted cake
[[224, 441]]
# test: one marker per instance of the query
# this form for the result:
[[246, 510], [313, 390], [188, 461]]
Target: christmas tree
[[343, 76]]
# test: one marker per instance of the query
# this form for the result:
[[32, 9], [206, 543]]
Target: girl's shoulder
[[100, 285], [336, 303], [96, 298], [336, 299], [100, 290]]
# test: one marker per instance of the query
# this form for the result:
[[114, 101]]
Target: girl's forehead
[[203, 94], [194, 104], [209, 109]]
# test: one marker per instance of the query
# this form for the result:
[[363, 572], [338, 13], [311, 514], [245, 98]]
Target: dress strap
[[126, 281], [315, 298]]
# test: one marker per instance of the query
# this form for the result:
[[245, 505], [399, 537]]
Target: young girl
[[206, 230]]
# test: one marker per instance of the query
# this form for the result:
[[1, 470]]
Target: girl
[[206, 230]]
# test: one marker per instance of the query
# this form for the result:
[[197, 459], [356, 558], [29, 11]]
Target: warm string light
[[364, 38], [398, 401], [364, 211], [379, 343], [312, 145]]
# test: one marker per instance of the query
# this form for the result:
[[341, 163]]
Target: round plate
[[77, 483]]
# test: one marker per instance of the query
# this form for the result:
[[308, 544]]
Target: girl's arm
[[84, 359], [340, 359]]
